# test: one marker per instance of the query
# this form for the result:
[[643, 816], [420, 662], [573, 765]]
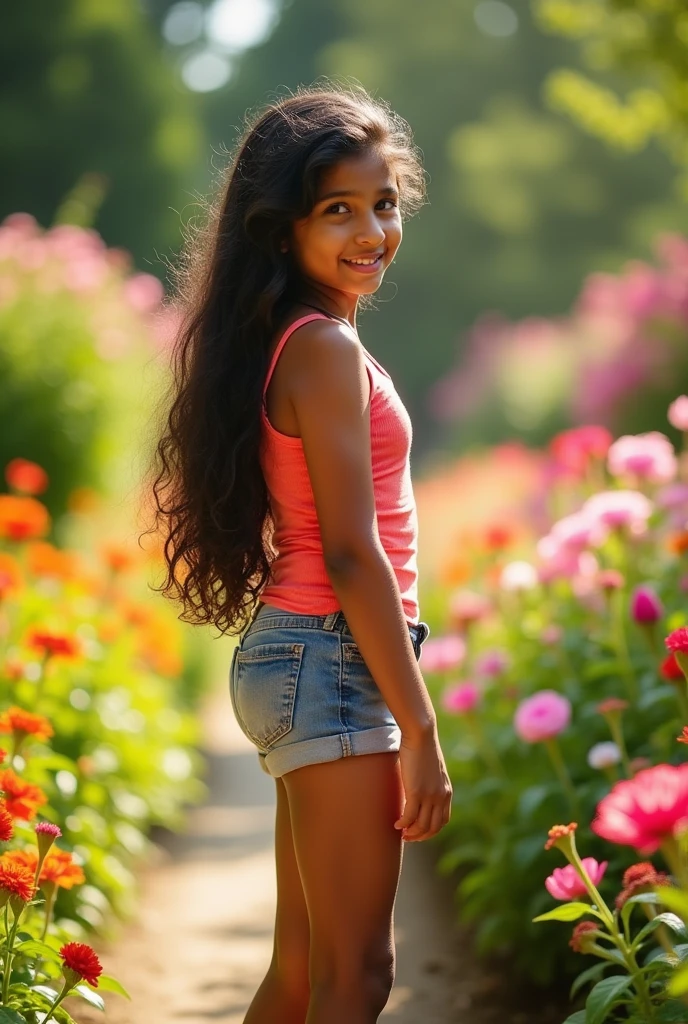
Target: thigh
[[348, 854], [292, 930]]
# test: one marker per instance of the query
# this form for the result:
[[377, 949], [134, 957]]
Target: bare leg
[[283, 995], [349, 859]]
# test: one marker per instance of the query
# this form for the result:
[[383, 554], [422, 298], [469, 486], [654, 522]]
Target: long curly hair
[[233, 284]]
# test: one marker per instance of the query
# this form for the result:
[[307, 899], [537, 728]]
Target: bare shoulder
[[322, 353]]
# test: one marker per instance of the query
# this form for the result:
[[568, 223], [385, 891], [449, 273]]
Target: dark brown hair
[[233, 285]]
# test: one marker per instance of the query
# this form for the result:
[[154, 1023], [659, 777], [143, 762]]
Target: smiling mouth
[[365, 261]]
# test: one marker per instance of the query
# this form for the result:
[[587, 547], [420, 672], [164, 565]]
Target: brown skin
[[340, 824]]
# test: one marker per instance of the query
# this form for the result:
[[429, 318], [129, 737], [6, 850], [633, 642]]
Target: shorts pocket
[[263, 690]]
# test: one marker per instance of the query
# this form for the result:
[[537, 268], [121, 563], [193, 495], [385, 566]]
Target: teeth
[[364, 263]]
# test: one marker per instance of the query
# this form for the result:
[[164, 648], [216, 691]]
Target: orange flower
[[10, 575], [84, 500], [683, 738], [16, 880], [80, 961], [22, 518], [559, 832], [60, 868], [25, 476], [25, 723], [498, 537], [677, 543], [583, 937], [44, 559], [612, 705], [26, 858], [53, 643], [6, 824], [638, 878], [117, 557], [21, 798]]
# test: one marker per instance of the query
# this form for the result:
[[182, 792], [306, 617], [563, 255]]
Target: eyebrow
[[388, 190]]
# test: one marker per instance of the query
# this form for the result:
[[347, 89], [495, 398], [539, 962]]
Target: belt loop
[[252, 619], [330, 622]]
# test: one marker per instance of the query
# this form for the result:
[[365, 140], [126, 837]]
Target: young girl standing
[[286, 493]]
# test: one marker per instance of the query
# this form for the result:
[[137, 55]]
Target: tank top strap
[[283, 340]]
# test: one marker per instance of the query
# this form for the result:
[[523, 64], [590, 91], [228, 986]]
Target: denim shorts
[[302, 693]]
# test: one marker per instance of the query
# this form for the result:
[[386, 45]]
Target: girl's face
[[355, 217]]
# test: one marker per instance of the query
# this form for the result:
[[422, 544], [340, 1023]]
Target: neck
[[337, 306]]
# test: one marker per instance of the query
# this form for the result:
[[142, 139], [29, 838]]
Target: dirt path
[[204, 936]]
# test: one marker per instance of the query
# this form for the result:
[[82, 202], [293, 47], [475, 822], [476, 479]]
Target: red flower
[[25, 476], [640, 878], [23, 723], [80, 961], [678, 640], [22, 518], [670, 668], [582, 936], [574, 449], [644, 811], [53, 643], [17, 880]]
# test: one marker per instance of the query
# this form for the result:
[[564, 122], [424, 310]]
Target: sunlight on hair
[[239, 24], [495, 18]]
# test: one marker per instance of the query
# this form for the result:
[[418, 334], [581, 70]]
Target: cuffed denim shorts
[[302, 693]]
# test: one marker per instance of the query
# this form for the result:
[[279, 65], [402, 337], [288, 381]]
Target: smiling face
[[347, 241]]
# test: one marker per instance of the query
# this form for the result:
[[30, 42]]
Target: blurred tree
[[638, 52], [88, 103]]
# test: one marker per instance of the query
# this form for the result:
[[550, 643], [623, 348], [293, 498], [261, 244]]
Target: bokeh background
[[543, 287]]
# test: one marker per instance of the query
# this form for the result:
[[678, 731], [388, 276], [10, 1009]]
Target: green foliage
[[87, 89], [637, 51]]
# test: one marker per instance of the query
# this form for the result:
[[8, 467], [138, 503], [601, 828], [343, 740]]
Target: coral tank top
[[298, 579]]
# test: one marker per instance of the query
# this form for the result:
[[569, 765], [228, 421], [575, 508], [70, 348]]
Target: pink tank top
[[298, 581]]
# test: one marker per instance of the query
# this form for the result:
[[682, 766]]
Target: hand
[[427, 788]]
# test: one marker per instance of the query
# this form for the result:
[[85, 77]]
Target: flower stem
[[10, 956], [562, 773], [63, 995]]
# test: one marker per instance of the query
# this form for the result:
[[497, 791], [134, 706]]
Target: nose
[[369, 230]]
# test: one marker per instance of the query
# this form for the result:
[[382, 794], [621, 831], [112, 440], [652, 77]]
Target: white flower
[[518, 576], [603, 755]]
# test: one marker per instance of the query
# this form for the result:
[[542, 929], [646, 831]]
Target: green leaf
[[45, 990], [675, 900], [567, 912], [89, 996], [33, 947], [643, 897], [108, 984], [593, 973], [605, 994], [576, 1018], [8, 1016], [673, 1012], [671, 920]]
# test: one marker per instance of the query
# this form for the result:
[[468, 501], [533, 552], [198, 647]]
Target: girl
[[286, 477]]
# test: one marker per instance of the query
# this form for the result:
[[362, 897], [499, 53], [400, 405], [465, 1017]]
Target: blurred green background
[[553, 134]]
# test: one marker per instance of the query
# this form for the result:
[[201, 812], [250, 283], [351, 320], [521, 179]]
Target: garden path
[[203, 938]]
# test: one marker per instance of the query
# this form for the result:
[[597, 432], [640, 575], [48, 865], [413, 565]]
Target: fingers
[[410, 813], [431, 819]]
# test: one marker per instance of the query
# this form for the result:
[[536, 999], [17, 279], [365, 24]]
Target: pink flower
[[551, 634], [629, 509], [443, 652], [646, 607], [574, 449], [578, 531], [566, 884], [648, 457], [609, 580], [542, 716], [461, 698], [678, 640], [644, 811], [144, 292], [678, 413], [467, 607], [491, 663]]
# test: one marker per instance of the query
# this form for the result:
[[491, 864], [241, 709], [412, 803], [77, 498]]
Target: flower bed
[[552, 682], [98, 743]]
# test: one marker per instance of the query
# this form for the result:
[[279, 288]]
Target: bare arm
[[331, 398]]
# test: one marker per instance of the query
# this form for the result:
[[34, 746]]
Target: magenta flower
[[566, 884], [542, 716], [646, 607], [462, 698], [649, 457], [443, 652], [644, 811], [678, 413], [491, 663], [629, 509], [575, 449]]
